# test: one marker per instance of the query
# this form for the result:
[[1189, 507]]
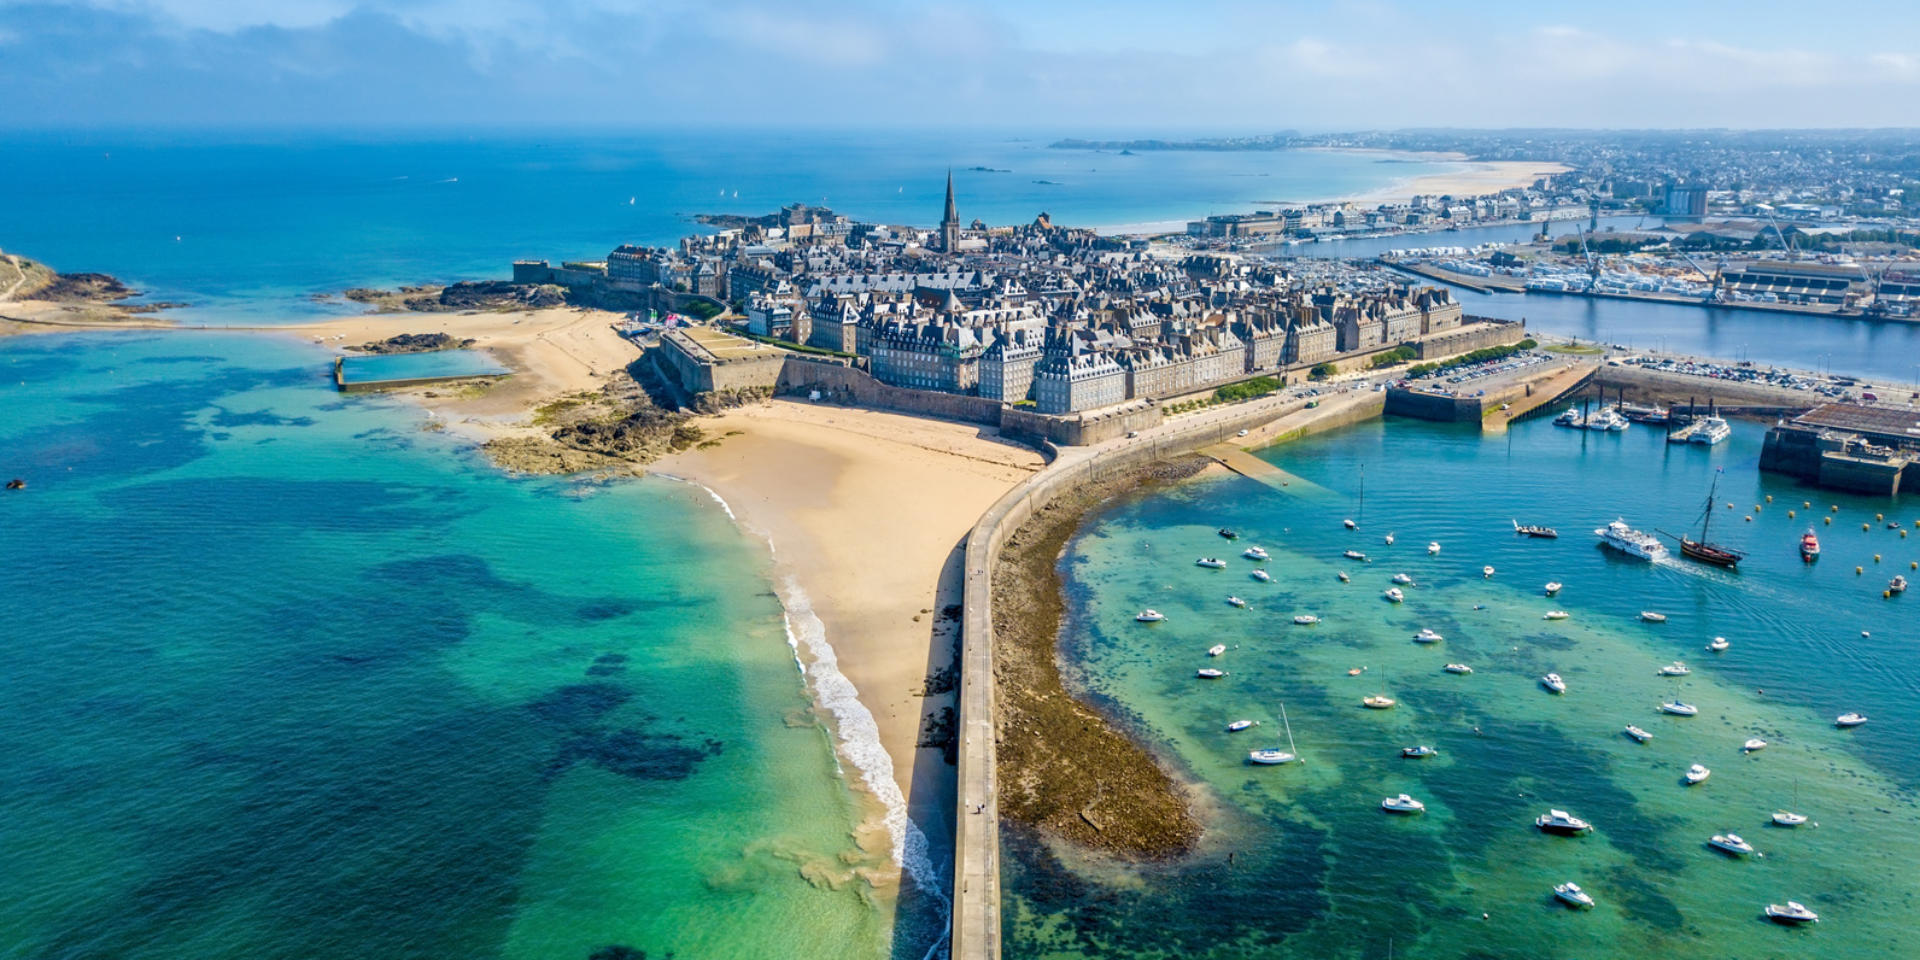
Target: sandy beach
[[866, 512]]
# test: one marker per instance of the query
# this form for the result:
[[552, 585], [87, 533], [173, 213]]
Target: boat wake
[[856, 733]]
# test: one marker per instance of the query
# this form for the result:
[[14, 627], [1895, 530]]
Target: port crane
[[1593, 262], [1785, 247], [1713, 278]]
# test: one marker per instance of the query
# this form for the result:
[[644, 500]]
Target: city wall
[[839, 383], [976, 882]]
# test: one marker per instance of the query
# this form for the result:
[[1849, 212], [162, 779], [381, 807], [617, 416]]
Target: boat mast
[[1289, 725], [1707, 518], [1363, 491]]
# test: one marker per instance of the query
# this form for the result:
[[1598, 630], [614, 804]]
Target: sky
[[1108, 68]]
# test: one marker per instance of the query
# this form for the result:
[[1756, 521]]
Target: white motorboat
[[1458, 668], [1679, 709], [1349, 524], [1486, 573], [1433, 548], [1651, 617], [1573, 896], [1255, 553], [1270, 757], [1555, 615], [1355, 555], [1719, 645], [1731, 843], [1633, 543], [1378, 701], [1711, 430], [1638, 734], [1236, 601], [1306, 620], [1427, 636], [1343, 577], [1553, 683], [1402, 579], [1553, 588], [1415, 753], [1149, 616], [1697, 774], [1239, 725], [1560, 821], [1569, 418], [1394, 595], [1402, 804], [1209, 673], [1211, 563], [1216, 650], [1262, 576], [1388, 539], [1792, 912], [1675, 669], [1850, 719], [1786, 818], [1752, 744]]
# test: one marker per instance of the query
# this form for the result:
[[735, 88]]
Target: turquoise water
[[408, 366], [1299, 861], [288, 677]]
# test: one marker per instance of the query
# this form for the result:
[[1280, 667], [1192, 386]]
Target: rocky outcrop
[[415, 343]]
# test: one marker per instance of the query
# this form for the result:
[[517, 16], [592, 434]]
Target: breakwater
[[976, 931]]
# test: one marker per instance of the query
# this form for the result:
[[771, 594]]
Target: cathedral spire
[[950, 221]]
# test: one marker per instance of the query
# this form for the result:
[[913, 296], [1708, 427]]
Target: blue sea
[[1300, 861]]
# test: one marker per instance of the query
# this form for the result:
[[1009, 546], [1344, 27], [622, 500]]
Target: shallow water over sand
[[1301, 862]]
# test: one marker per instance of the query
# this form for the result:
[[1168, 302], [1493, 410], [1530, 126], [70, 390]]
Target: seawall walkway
[[976, 871]]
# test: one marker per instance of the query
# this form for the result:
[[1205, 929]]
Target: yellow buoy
[[1729, 506], [1876, 558], [1756, 508], [1769, 498], [1866, 526], [1749, 518], [1879, 517], [1859, 570], [1789, 514], [1829, 521], [1808, 504], [1835, 508], [1903, 534]]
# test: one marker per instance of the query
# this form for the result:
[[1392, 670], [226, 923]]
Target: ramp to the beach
[[1254, 468]]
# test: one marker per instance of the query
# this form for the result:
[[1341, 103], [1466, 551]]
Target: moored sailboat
[[1702, 549]]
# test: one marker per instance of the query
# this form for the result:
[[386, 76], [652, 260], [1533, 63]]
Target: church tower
[[950, 222]]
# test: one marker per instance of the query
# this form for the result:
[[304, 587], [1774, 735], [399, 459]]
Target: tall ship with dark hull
[[1702, 549]]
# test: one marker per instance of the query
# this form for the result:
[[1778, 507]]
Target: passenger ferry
[[1712, 430], [1631, 542]]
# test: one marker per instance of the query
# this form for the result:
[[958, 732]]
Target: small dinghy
[[1573, 896], [1209, 673], [1638, 734], [1486, 573], [1262, 576], [1719, 645], [1675, 669], [1679, 709], [1731, 843], [1354, 555], [1403, 580], [1378, 702], [1651, 617], [1388, 539], [1554, 615], [1427, 636], [1255, 553], [1228, 534], [1553, 588], [1211, 563], [1554, 683], [1560, 821], [1216, 650], [1792, 912], [1850, 719], [1458, 668], [1349, 524], [1697, 774], [1149, 616], [1394, 595], [1239, 725], [1754, 744], [1270, 758], [1236, 602], [1415, 753], [1343, 577], [1433, 549], [1402, 804], [1306, 620]]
